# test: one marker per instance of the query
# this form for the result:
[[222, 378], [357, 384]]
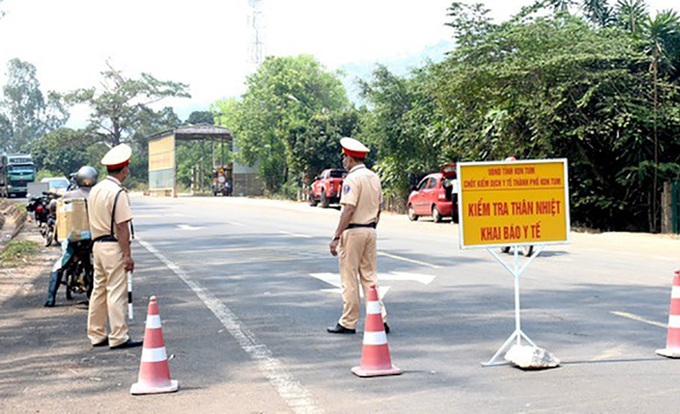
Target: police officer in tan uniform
[[355, 236], [110, 224]]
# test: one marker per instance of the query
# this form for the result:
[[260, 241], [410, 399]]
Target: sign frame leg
[[516, 271]]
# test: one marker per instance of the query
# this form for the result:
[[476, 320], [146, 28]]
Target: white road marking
[[304, 236], [333, 279], [408, 260], [638, 318], [424, 279], [234, 223], [188, 227], [298, 398]]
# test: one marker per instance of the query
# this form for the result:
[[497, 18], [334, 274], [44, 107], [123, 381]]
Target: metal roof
[[195, 132]]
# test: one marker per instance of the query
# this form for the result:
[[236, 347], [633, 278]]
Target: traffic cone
[[154, 373], [375, 355], [672, 349]]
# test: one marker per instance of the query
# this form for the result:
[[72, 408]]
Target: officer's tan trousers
[[358, 257], [109, 295]]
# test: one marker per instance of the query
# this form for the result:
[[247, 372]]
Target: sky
[[208, 43]]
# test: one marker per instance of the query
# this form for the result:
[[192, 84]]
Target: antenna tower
[[256, 30]]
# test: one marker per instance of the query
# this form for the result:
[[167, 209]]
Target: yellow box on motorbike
[[72, 221]]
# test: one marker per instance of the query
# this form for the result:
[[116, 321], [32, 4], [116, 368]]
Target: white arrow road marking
[[304, 236], [424, 279], [333, 279], [188, 227]]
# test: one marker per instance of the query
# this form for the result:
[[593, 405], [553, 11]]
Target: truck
[[326, 187], [16, 171]]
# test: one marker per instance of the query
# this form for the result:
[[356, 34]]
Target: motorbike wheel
[[49, 236], [526, 250]]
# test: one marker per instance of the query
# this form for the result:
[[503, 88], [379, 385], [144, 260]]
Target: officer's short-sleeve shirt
[[100, 207], [362, 189]]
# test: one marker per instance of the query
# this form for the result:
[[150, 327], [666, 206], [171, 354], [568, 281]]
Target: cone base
[[360, 372], [669, 352], [140, 389]]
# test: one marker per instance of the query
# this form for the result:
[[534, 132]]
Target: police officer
[[355, 237], [86, 177], [110, 222]]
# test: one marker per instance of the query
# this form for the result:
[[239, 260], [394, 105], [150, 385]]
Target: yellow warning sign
[[513, 202]]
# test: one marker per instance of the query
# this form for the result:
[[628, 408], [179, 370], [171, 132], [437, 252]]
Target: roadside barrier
[[672, 349], [375, 354], [154, 372]]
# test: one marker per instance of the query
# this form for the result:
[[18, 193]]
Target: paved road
[[246, 290]]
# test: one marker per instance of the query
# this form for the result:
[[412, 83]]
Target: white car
[[56, 185]]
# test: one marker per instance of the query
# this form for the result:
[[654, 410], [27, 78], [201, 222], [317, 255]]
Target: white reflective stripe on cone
[[375, 338], [674, 321], [154, 355], [153, 321], [675, 293], [373, 308]]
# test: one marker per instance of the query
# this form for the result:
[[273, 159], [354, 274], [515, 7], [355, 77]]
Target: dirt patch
[[20, 280]]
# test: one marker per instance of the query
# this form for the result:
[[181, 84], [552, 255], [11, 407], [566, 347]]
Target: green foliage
[[63, 151], [200, 117], [25, 114], [121, 104], [547, 87], [272, 121]]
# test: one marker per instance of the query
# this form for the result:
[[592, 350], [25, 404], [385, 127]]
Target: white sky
[[205, 43]]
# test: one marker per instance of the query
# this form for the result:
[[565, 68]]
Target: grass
[[17, 253]]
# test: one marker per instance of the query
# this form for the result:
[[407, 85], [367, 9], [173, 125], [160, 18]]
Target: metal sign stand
[[516, 271]]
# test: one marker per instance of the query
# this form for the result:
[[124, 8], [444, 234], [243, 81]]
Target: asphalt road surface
[[247, 287]]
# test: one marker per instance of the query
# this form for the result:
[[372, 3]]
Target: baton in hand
[[129, 280]]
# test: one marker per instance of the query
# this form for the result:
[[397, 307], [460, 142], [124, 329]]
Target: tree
[[200, 117], [598, 12], [122, 102], [630, 14], [27, 115], [661, 33], [281, 99], [555, 87], [63, 150]]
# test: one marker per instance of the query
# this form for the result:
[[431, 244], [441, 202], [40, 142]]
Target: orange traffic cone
[[154, 373], [672, 349], [375, 355]]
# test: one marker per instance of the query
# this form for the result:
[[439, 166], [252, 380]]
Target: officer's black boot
[[55, 280]]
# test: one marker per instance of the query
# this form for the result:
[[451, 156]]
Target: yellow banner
[[162, 153], [513, 202]]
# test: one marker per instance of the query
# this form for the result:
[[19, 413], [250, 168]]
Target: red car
[[326, 187], [436, 195]]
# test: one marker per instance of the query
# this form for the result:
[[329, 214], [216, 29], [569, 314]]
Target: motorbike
[[79, 272], [38, 206], [49, 230]]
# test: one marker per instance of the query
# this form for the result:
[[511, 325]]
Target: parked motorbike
[[38, 207], [49, 231], [79, 271]]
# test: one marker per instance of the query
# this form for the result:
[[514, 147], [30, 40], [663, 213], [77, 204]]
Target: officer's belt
[[105, 238], [355, 225]]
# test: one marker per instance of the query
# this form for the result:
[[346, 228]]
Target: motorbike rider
[[86, 178]]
